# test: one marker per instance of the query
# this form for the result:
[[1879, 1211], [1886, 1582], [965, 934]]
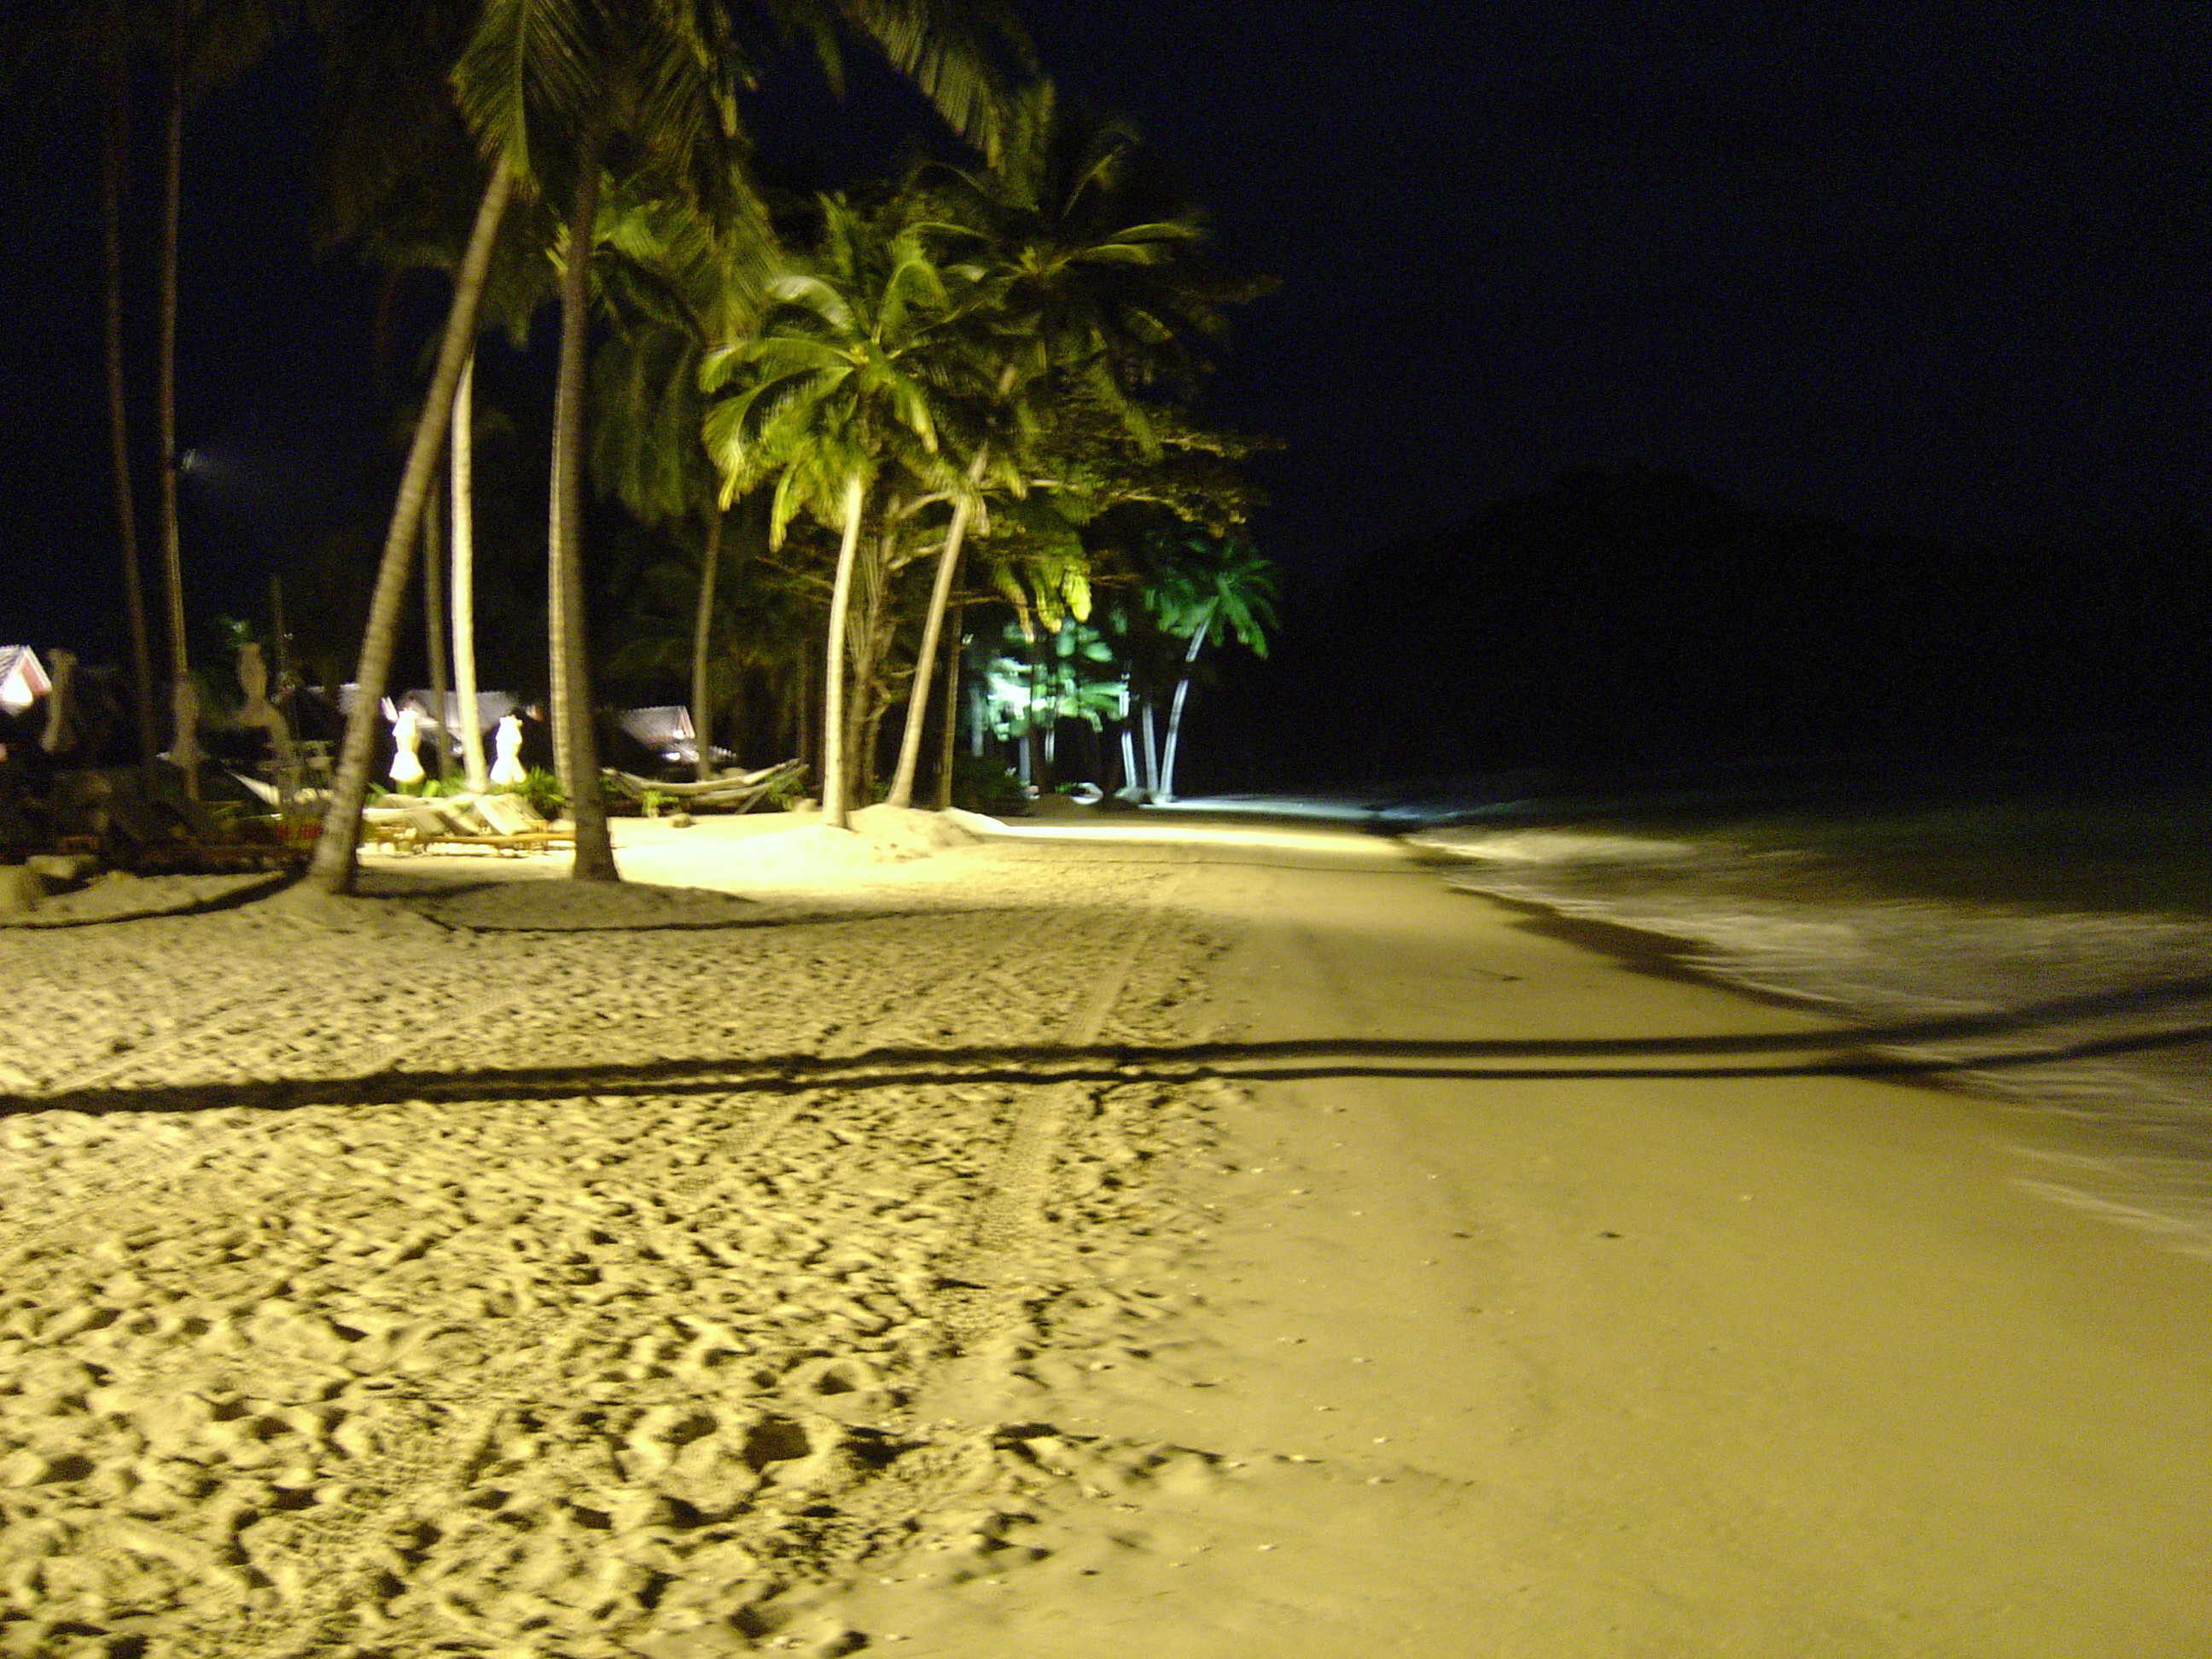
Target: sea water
[[2100, 1016]]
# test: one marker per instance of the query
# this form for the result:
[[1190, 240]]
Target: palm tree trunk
[[332, 871], [871, 629], [872, 726], [573, 740], [114, 158], [835, 810], [433, 629], [1128, 740], [474, 771], [1175, 710], [1149, 752], [948, 739], [166, 389], [702, 628], [925, 659]]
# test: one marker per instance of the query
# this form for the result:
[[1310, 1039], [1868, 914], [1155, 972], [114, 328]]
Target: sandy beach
[[1213, 1243]]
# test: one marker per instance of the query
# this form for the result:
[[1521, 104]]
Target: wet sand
[[837, 1255]]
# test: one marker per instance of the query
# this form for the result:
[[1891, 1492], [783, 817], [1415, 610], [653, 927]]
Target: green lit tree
[[1202, 588]]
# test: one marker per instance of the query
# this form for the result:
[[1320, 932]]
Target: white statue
[[406, 764], [507, 746]]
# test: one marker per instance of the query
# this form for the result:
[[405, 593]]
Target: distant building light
[[22, 680]]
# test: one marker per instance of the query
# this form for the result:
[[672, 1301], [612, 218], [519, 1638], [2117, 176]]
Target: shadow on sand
[[1842, 1051]]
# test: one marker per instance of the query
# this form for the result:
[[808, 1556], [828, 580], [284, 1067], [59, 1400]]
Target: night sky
[[1931, 268]]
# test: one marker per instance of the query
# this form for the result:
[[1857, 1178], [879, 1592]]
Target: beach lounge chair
[[495, 823], [515, 822]]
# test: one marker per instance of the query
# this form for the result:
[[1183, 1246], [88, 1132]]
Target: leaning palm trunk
[[474, 771], [114, 154], [925, 659], [573, 740], [702, 628], [835, 795], [333, 868], [1175, 711]]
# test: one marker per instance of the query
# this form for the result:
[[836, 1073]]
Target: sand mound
[[123, 897], [911, 833]]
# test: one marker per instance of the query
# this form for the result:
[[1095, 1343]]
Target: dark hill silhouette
[[1639, 617]]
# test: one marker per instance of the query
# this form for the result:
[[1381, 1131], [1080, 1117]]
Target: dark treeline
[[1642, 618]]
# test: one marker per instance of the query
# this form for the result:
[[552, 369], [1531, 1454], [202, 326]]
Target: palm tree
[[332, 868], [675, 279], [1202, 586], [403, 180], [461, 484], [114, 160], [831, 393], [543, 85], [1092, 279]]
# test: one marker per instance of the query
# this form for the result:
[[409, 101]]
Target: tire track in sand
[[984, 1290]]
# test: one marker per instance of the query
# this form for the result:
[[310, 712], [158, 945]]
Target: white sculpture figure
[[506, 747], [57, 738], [406, 764]]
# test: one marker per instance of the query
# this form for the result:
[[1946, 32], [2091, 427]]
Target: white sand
[[494, 1266]]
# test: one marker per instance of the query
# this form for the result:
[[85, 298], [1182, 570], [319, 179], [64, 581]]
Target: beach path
[[1676, 1349]]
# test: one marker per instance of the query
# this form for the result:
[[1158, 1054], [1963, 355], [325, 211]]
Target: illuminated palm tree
[[832, 393]]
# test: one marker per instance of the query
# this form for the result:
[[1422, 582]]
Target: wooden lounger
[[496, 824]]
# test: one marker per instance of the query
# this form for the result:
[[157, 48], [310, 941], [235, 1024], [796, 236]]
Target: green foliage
[[1196, 584], [980, 785], [1068, 674], [542, 789], [784, 792], [844, 377]]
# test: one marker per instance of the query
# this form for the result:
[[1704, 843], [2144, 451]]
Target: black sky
[[1932, 267]]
